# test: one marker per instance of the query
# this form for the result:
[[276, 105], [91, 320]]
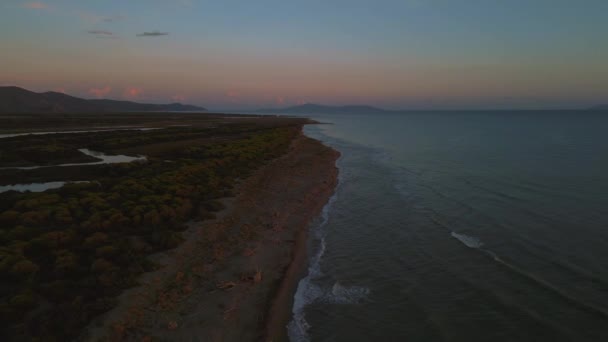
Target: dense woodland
[[65, 254]]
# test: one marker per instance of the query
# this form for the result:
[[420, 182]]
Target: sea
[[460, 226]]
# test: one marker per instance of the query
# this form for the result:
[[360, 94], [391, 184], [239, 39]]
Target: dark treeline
[[66, 254]]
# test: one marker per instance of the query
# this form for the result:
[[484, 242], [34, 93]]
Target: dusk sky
[[227, 54]]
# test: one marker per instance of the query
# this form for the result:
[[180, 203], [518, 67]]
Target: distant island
[[316, 108], [19, 100]]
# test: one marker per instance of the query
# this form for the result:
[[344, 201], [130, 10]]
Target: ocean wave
[[341, 294], [469, 241], [476, 243], [307, 292], [553, 288]]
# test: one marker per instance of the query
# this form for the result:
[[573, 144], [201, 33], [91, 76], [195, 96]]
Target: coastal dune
[[234, 277]]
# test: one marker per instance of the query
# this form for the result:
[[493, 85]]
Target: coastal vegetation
[[65, 254]]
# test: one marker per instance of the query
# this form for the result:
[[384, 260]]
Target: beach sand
[[234, 277]]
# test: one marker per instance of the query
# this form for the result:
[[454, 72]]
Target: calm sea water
[[456, 226]]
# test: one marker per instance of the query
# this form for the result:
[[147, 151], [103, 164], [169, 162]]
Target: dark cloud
[[153, 34], [100, 32]]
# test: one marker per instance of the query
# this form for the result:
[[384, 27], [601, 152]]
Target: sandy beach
[[234, 277]]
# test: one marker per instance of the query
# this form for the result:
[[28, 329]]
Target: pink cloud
[[178, 98], [60, 90], [100, 92], [133, 92], [301, 102], [233, 96], [35, 5], [279, 100]]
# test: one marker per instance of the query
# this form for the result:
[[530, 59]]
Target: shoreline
[[234, 277], [281, 310]]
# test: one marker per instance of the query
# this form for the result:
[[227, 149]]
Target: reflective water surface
[[456, 226]]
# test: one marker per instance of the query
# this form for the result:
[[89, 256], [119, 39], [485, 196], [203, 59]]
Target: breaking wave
[[469, 241], [309, 291]]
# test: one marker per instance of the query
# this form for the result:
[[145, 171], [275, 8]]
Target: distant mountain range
[[19, 100], [354, 109], [315, 108]]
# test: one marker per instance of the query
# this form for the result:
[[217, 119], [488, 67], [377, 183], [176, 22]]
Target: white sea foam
[[469, 241], [341, 294], [309, 289], [307, 292]]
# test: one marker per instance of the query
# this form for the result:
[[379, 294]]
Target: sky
[[408, 54]]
